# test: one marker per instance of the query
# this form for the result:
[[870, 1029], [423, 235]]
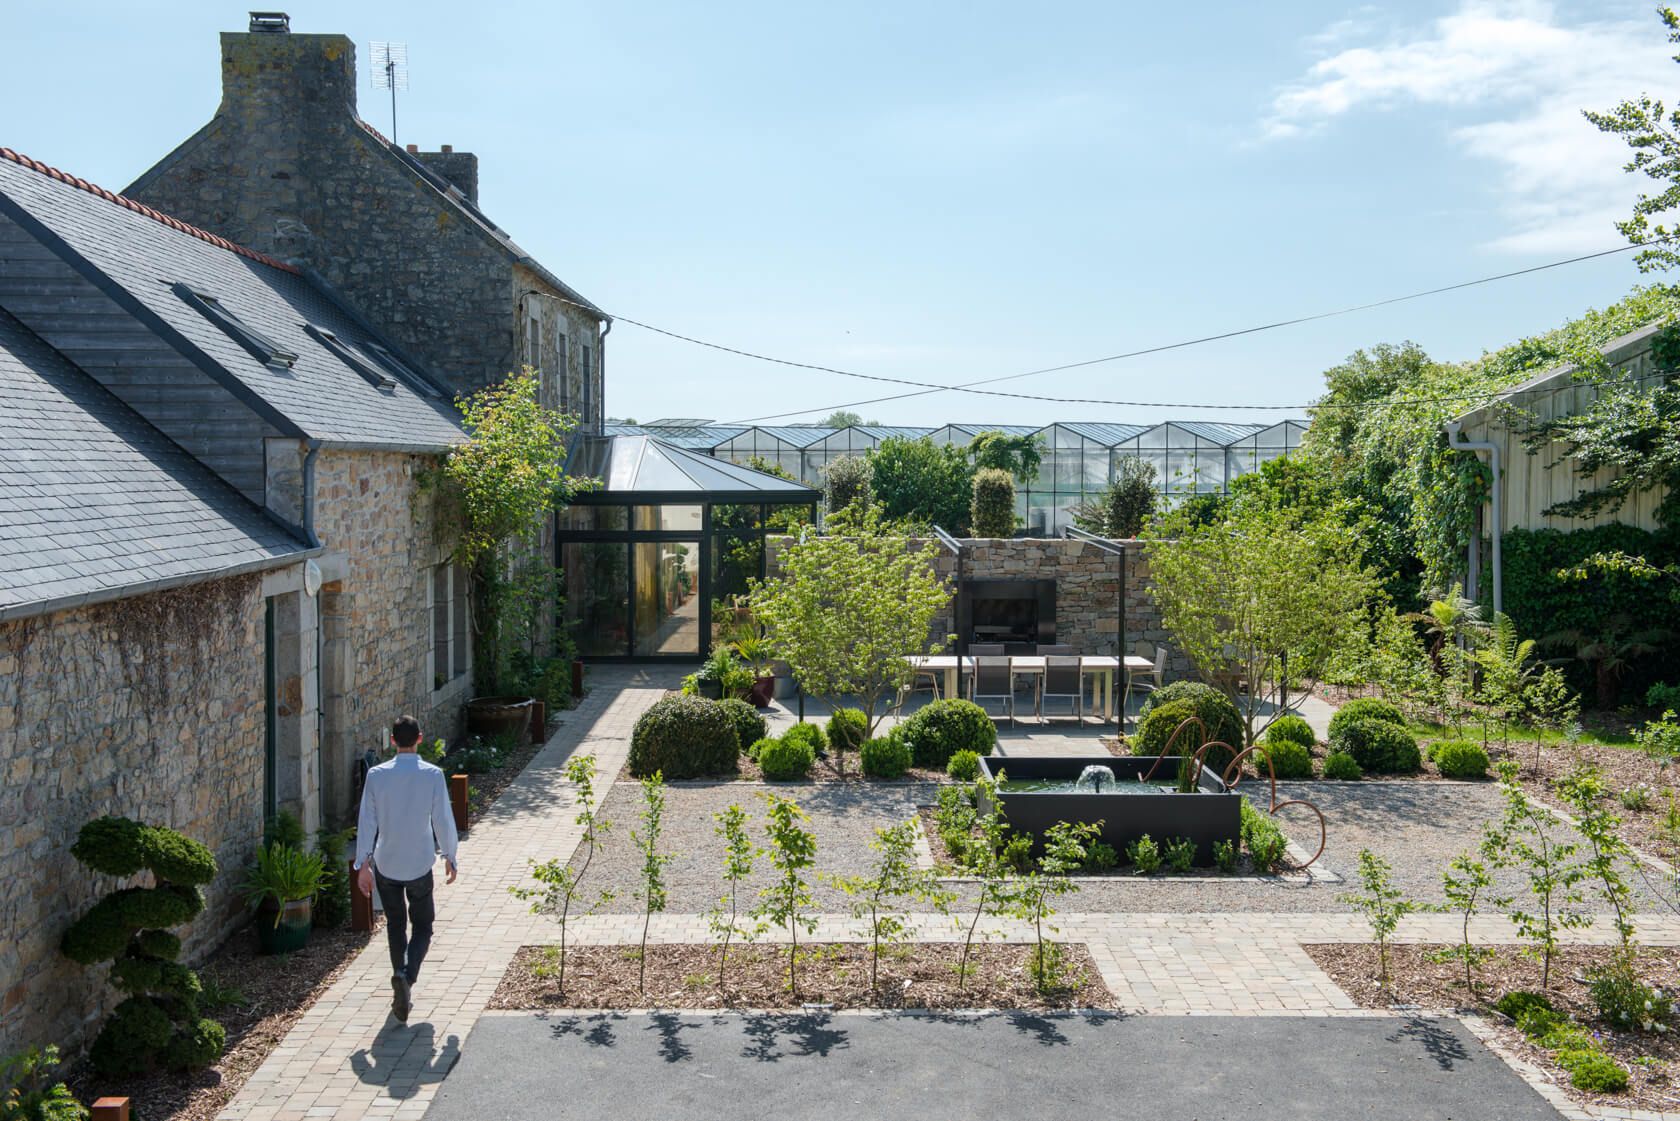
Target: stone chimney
[[460, 168], [268, 73]]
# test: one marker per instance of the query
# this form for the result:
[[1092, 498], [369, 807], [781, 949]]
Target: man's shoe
[[399, 997]]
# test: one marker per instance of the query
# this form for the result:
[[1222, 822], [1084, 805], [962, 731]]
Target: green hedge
[[1365, 708], [1174, 691], [992, 510], [785, 759], [1220, 721], [1288, 760], [684, 737], [750, 727], [885, 757], [1290, 728]]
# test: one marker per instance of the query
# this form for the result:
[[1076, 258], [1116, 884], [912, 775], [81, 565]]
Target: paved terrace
[[347, 1058]]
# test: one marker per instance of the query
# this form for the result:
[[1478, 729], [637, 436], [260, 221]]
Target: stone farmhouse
[[217, 393]]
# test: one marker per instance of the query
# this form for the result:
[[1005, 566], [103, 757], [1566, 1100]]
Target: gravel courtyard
[[1417, 827]]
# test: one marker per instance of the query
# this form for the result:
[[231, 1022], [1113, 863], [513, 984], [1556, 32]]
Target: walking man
[[405, 820]]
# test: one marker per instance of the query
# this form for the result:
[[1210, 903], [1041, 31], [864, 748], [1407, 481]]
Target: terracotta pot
[[283, 927], [759, 695], [499, 716]]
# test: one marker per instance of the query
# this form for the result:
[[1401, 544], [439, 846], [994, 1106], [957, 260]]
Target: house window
[[451, 651], [533, 345], [261, 347]]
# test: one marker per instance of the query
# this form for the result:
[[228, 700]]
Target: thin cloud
[[1528, 76]]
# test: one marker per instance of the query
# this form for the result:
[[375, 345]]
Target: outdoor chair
[[985, 649], [1062, 681], [1056, 648], [1153, 675], [993, 681], [921, 679]]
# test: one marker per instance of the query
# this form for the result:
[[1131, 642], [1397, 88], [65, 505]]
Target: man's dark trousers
[[406, 900]]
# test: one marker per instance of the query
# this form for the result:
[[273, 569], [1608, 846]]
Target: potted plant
[[714, 673], [281, 885], [754, 649]]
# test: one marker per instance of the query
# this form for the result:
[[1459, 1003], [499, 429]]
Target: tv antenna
[[389, 65]]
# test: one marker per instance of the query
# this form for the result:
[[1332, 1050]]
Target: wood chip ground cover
[[917, 975], [1652, 1060]]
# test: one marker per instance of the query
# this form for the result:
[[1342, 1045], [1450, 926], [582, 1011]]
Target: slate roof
[[97, 504], [643, 469], [135, 255]]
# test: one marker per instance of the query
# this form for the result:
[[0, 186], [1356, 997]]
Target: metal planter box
[[1212, 814]]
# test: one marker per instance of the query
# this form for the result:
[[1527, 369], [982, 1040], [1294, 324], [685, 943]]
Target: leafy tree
[[1383, 903], [1525, 837], [923, 484], [1364, 378], [1654, 135], [646, 840], [559, 891], [1021, 456], [1466, 882], [1260, 585], [1030, 895], [849, 609], [793, 851], [737, 867], [848, 481], [1124, 506], [984, 857], [1606, 851], [895, 877], [992, 511], [842, 418]]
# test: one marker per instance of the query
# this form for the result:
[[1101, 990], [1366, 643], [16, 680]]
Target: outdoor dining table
[[1103, 666]]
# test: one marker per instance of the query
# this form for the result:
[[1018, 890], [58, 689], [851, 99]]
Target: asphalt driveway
[[930, 1068]]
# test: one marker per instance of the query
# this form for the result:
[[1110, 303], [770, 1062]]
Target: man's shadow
[[404, 1058]]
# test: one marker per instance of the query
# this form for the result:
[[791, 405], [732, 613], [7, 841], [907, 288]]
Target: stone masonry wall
[[149, 708], [376, 625], [1086, 601]]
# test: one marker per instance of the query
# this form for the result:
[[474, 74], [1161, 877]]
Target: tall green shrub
[[937, 731], [1220, 723], [684, 737], [159, 1020], [992, 510]]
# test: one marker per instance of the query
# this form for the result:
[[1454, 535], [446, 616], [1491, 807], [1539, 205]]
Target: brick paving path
[[347, 1058]]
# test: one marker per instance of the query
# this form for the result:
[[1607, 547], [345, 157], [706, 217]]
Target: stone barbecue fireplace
[[1021, 614]]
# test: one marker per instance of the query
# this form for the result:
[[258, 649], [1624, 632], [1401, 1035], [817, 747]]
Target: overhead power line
[[926, 388]]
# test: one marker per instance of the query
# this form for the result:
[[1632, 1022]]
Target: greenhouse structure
[[1189, 457]]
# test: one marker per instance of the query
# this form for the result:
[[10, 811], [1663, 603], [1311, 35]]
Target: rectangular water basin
[[1126, 811]]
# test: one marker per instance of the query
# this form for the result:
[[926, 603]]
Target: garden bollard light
[[110, 1109], [361, 906], [458, 801]]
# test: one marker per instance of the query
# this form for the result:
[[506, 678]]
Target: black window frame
[[260, 346]]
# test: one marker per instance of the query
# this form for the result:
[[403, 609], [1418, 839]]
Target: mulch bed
[[912, 975], [273, 993], [1414, 979], [1621, 768]]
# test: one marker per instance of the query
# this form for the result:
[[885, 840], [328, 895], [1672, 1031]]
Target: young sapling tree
[[1383, 903], [646, 840], [1523, 837], [1030, 895], [1466, 883], [558, 890], [738, 853], [793, 852], [895, 877]]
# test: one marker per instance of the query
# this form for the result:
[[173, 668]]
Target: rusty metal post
[[458, 801], [361, 906], [110, 1109]]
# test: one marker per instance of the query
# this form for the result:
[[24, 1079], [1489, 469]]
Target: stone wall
[[377, 620], [149, 708], [1086, 586]]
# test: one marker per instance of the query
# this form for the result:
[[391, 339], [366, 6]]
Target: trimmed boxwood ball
[[808, 733], [177, 858], [1365, 708], [115, 846], [757, 747], [155, 908], [1461, 760], [101, 934], [884, 757], [964, 766], [1289, 760], [1291, 729], [136, 1031], [785, 759], [684, 737], [939, 730], [749, 725], [198, 1044], [1379, 746], [1174, 691], [1219, 719], [846, 728], [1341, 765]]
